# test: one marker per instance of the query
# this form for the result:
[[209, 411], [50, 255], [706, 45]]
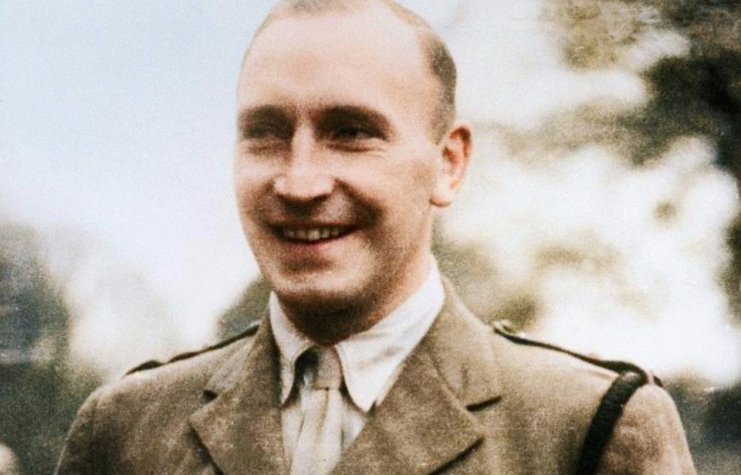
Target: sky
[[117, 122], [116, 135]]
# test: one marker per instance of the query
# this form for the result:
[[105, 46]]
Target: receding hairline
[[434, 51], [287, 9]]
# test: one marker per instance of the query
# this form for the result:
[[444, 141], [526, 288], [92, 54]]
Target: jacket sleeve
[[648, 438], [80, 453]]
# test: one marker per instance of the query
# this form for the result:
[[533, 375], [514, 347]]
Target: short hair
[[436, 53]]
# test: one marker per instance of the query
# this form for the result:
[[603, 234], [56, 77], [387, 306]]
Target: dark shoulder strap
[[609, 411], [151, 364], [630, 378]]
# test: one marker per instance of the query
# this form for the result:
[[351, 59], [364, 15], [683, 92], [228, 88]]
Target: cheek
[[249, 182], [243, 192], [420, 178], [390, 192], [248, 199], [426, 173], [406, 195], [411, 168]]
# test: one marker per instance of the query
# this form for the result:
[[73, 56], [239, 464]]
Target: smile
[[313, 234]]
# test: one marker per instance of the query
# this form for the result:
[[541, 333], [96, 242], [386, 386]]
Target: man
[[366, 363]]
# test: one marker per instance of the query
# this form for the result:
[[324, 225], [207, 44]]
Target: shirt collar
[[369, 359]]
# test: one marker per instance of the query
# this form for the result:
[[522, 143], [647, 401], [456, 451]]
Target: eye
[[354, 132], [265, 137], [353, 136], [353, 128], [264, 128], [265, 131], [257, 131]]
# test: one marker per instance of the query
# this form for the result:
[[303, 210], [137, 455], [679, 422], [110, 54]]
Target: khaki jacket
[[468, 401]]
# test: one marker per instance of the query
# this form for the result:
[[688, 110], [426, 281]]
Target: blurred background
[[601, 212]]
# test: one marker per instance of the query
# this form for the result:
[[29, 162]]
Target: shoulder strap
[[151, 364], [609, 411], [630, 378], [502, 329]]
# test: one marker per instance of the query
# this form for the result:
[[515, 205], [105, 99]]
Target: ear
[[455, 152]]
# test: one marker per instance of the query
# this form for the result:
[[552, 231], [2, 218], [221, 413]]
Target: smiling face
[[336, 170]]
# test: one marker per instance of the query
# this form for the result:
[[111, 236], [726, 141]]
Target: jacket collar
[[460, 347], [426, 420], [241, 426]]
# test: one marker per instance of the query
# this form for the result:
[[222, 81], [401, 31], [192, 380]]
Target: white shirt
[[370, 360]]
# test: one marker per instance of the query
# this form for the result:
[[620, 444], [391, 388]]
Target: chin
[[317, 296]]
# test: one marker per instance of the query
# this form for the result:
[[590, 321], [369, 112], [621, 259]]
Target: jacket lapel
[[426, 421], [241, 427]]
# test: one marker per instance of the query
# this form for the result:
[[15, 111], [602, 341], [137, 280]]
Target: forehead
[[368, 52]]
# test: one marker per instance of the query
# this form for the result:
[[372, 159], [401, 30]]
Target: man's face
[[335, 166]]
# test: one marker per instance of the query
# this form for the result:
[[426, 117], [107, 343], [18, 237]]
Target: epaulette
[[504, 329], [629, 379], [151, 364]]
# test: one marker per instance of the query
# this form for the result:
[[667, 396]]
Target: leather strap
[[609, 411]]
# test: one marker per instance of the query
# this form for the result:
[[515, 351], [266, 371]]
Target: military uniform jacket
[[468, 401]]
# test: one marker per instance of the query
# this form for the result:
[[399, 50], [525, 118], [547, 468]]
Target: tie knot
[[328, 369]]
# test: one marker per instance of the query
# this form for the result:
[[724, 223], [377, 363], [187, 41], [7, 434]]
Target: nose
[[304, 178]]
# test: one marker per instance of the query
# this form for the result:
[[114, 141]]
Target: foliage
[[40, 393]]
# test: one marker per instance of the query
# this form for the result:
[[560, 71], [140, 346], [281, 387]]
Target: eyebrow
[[354, 113], [251, 115]]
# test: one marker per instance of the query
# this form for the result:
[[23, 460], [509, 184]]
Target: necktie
[[320, 438]]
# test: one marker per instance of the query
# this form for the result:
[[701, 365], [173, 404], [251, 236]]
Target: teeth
[[311, 234]]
